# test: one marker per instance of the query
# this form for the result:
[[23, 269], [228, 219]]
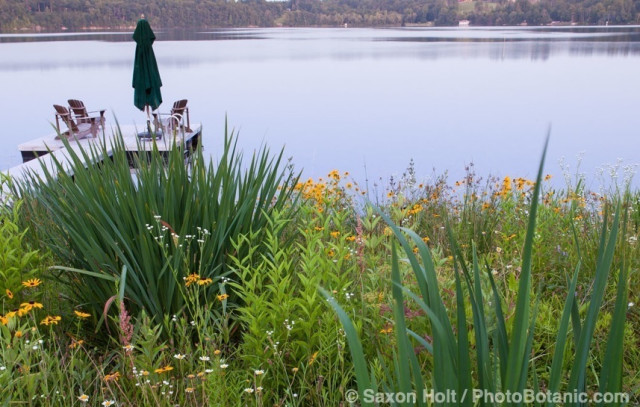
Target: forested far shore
[[79, 15]]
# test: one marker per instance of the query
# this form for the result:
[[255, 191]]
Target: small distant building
[[463, 23]]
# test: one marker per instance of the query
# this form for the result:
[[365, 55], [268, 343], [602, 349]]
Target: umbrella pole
[[146, 108]]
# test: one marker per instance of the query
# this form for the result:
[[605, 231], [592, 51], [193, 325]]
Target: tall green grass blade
[[355, 348], [561, 337], [578, 371], [611, 372], [502, 339], [464, 361], [483, 356], [516, 359], [403, 374]]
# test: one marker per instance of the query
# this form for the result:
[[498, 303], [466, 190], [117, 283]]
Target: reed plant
[[174, 219], [490, 352]]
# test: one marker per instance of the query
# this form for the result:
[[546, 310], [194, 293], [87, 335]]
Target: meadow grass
[[490, 284]]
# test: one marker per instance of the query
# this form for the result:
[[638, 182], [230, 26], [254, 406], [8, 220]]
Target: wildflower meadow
[[241, 282]]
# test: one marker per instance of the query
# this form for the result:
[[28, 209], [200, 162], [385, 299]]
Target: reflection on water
[[350, 98], [341, 44]]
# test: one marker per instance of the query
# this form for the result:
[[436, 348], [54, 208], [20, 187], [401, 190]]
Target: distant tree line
[[76, 15]]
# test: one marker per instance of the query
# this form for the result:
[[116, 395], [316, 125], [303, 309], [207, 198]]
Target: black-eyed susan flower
[[34, 282], [222, 297], [9, 293], [191, 279], [113, 377], [51, 320], [164, 369], [81, 314], [204, 281], [75, 343], [28, 306]]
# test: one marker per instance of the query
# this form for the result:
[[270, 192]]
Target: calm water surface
[[365, 101]]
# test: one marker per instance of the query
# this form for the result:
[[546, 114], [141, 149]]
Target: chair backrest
[[64, 114], [78, 108], [179, 106]]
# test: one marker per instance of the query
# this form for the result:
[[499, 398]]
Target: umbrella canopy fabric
[[146, 77]]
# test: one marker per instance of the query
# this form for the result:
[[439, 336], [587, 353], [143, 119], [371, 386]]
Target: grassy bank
[[200, 286]]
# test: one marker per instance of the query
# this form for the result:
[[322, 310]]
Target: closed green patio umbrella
[[146, 77]]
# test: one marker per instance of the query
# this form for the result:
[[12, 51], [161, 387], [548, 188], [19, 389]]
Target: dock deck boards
[[48, 149]]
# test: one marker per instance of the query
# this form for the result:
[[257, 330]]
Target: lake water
[[365, 101]]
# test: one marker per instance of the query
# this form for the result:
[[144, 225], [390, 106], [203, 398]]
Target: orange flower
[[191, 278], [313, 358], [112, 377], [164, 369]]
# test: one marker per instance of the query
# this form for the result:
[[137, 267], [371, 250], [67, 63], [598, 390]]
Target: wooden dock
[[45, 151]]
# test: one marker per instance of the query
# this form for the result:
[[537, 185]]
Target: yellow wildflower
[[191, 278], [75, 343], [9, 293], [112, 377], [81, 314], [34, 282], [50, 320], [204, 281], [28, 306], [386, 330], [313, 358], [164, 369], [222, 297], [335, 234]]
